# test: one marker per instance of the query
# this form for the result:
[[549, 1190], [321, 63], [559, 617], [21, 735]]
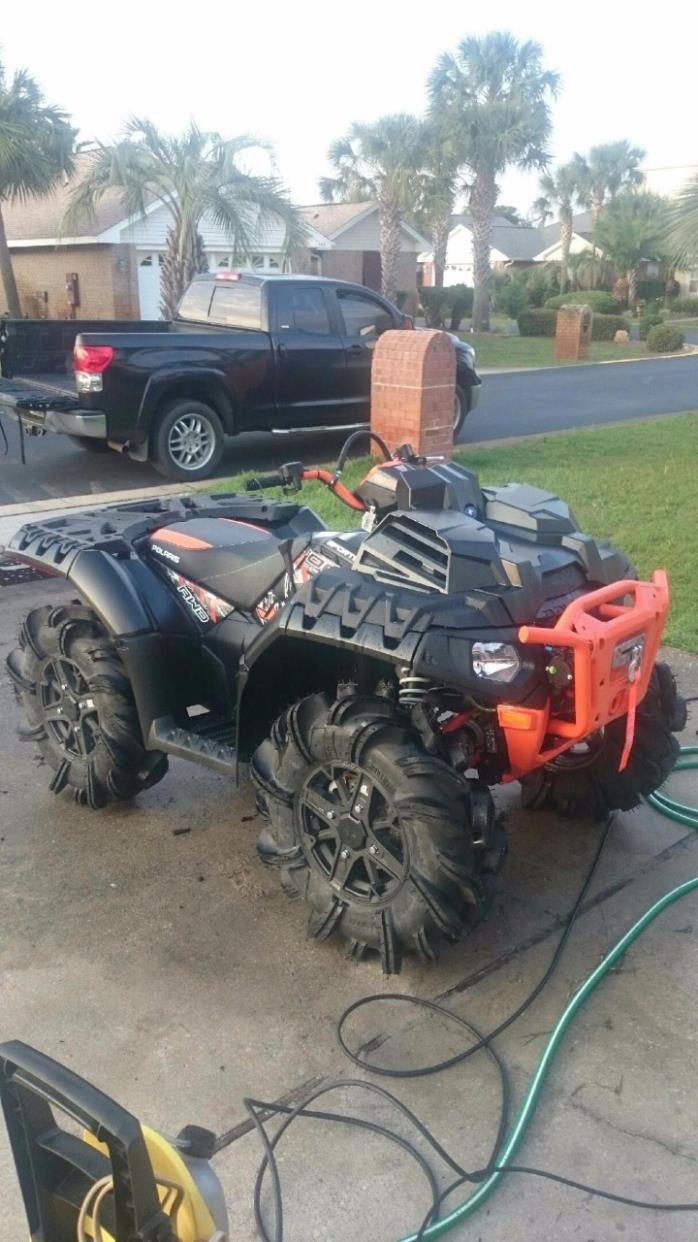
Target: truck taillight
[[92, 358]]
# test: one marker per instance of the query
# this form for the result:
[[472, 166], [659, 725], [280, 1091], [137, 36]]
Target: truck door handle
[[356, 349]]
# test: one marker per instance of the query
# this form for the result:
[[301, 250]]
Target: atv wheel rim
[[349, 834], [456, 411], [191, 442], [68, 708]]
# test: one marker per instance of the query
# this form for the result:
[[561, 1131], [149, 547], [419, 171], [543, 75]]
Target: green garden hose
[[681, 814]]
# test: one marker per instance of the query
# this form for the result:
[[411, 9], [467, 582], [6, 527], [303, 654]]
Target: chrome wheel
[[191, 442], [457, 411]]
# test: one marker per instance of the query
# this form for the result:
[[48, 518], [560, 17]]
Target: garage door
[[149, 286]]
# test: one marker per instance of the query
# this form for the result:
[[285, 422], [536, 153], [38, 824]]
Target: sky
[[299, 74]]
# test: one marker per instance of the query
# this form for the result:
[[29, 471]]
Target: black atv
[[380, 681]]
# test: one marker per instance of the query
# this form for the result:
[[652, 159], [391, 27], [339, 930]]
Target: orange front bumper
[[592, 627]]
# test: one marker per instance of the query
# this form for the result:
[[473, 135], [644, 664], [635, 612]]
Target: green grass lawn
[[634, 485], [495, 350]]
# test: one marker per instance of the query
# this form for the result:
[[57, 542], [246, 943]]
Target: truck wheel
[[386, 843], [585, 782], [188, 440], [461, 409], [90, 444], [79, 707]]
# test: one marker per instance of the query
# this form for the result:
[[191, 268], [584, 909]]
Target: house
[[353, 251], [113, 261], [513, 245]]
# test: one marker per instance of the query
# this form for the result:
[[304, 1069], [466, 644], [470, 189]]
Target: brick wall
[[107, 276], [413, 381], [572, 333]]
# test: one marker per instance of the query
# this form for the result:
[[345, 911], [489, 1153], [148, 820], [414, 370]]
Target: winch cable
[[485, 1179]]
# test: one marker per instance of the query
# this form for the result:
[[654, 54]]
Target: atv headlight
[[497, 661]]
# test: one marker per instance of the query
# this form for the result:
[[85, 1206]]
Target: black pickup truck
[[246, 353]]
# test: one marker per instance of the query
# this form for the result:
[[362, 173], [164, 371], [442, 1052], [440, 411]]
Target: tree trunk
[[565, 244], [183, 260], [483, 197], [439, 238], [597, 197], [7, 275], [632, 287], [389, 221]]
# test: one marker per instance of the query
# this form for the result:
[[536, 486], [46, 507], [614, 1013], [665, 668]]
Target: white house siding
[[151, 233]]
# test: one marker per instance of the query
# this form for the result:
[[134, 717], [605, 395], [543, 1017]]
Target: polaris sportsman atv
[[380, 681]]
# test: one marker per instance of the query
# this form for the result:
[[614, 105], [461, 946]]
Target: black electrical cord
[[482, 1042]]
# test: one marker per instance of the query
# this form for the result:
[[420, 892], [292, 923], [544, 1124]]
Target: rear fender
[[203, 383]]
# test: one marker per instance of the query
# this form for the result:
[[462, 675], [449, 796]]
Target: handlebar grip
[[265, 480]]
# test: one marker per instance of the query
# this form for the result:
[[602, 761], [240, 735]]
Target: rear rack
[[614, 645]]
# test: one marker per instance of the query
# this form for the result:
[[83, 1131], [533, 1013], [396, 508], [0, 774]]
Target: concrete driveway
[[170, 969], [517, 403]]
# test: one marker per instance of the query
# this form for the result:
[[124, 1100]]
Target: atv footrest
[[206, 742]]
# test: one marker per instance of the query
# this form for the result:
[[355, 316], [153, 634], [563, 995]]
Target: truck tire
[[388, 845], [187, 440], [588, 785], [461, 409], [79, 707], [90, 444]]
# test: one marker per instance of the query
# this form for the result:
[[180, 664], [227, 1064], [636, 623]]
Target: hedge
[[597, 299], [534, 322], [604, 327], [451, 303], [684, 306], [666, 338], [537, 321], [651, 288]]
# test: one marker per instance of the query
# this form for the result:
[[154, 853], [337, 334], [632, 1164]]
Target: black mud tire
[[447, 846], [594, 789], [98, 756], [178, 413]]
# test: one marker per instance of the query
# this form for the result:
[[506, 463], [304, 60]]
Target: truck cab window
[[301, 310], [237, 306], [363, 316], [195, 303]]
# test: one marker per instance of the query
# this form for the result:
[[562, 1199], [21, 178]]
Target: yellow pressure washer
[[118, 1179]]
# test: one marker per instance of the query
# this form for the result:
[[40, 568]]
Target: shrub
[[461, 305], [647, 322], [537, 321], [684, 306], [650, 289], [666, 338], [440, 305], [597, 299], [604, 327], [511, 299]]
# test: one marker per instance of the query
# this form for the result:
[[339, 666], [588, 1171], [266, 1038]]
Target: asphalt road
[[513, 403]]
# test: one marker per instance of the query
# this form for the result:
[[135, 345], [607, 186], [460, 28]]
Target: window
[[301, 310], [237, 305], [362, 316], [693, 282], [195, 303]]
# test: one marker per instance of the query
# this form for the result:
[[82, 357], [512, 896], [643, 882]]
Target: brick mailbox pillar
[[572, 333], [413, 388]]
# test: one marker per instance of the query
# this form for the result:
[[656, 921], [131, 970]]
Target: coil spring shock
[[411, 688]]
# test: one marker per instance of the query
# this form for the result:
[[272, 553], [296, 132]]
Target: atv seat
[[236, 560]]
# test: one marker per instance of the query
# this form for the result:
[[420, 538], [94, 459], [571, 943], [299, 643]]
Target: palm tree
[[36, 146], [605, 172], [438, 186], [193, 176], [632, 228], [559, 190], [495, 95], [380, 161], [682, 237]]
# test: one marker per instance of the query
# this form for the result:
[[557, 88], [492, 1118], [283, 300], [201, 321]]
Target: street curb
[[464, 445], [92, 500]]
